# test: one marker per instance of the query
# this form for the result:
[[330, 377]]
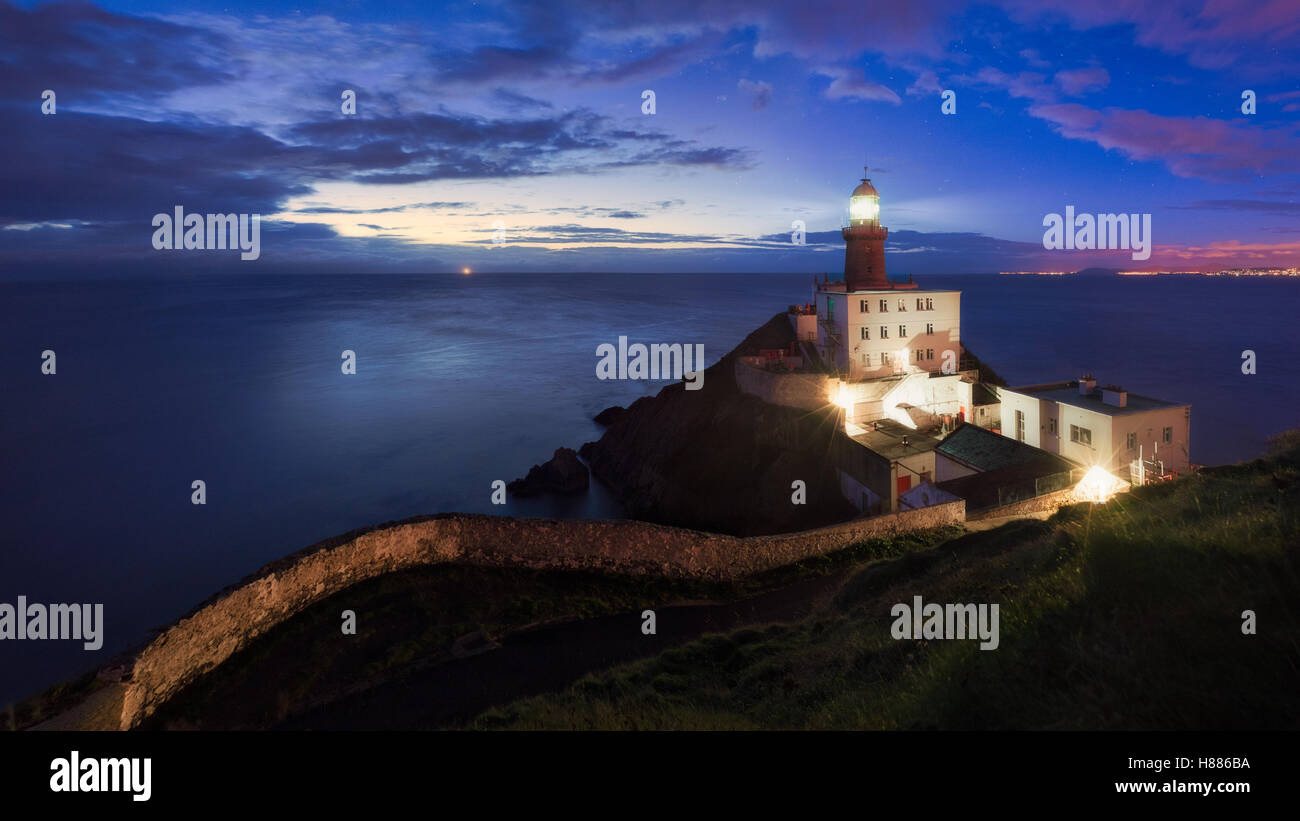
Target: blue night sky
[[530, 114]]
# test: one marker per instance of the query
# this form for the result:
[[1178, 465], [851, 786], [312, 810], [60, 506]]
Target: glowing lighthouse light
[[465, 271], [864, 208]]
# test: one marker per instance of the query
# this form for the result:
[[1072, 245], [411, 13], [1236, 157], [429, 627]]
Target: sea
[[238, 381]]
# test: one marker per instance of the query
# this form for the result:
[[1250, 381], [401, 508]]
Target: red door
[[904, 484]]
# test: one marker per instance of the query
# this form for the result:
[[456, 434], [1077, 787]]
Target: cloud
[[852, 84], [926, 83], [1080, 81], [1189, 146], [83, 52], [760, 91], [1028, 85], [423, 147], [1287, 209], [387, 210], [1210, 35], [515, 101], [1034, 60]]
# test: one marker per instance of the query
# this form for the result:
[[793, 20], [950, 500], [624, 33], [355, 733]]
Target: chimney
[[1115, 395], [1087, 384]]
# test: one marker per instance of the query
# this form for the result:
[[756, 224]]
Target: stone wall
[[1037, 504], [233, 618], [805, 391]]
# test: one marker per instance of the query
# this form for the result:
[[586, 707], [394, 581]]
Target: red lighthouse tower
[[864, 253]]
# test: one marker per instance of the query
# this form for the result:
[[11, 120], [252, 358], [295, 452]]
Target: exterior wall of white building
[[946, 468], [1098, 437], [1162, 434], [889, 332], [868, 401], [1024, 418]]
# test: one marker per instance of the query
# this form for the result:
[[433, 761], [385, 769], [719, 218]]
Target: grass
[[1123, 616]]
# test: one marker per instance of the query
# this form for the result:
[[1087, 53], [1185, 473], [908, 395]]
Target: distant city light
[[465, 271]]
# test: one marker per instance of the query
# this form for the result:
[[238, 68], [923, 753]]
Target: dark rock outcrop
[[610, 415], [722, 460], [564, 474]]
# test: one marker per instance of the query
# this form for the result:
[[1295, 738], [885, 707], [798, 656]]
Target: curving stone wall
[[236, 616]]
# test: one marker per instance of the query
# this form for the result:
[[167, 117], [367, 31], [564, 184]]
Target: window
[[884, 332], [1020, 426], [866, 332], [920, 354], [920, 304], [1131, 441], [929, 304], [902, 304], [1081, 435], [1051, 425], [866, 360], [902, 331], [885, 357], [929, 328], [1169, 436], [884, 305], [863, 305], [929, 353]]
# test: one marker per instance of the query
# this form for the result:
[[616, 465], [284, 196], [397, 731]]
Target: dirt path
[[548, 659], [999, 521]]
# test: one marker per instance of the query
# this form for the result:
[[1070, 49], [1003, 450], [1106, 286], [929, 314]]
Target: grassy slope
[[1123, 616]]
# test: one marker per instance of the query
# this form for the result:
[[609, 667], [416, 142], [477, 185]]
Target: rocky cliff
[[721, 460]]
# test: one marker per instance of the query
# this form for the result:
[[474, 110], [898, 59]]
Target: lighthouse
[[864, 237], [869, 327]]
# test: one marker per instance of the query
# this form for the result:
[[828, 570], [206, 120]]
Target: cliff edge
[[719, 459]]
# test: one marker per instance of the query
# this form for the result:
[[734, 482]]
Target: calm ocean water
[[236, 380]]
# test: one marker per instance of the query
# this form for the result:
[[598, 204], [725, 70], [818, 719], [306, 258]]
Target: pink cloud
[[1028, 85], [1228, 253], [1189, 146], [1210, 33], [1079, 81]]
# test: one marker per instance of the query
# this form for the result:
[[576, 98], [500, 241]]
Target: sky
[[514, 136]]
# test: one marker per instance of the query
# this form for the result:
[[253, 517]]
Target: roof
[[865, 189], [1006, 468], [886, 439], [982, 394], [983, 450], [1067, 393], [1012, 483], [885, 292]]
